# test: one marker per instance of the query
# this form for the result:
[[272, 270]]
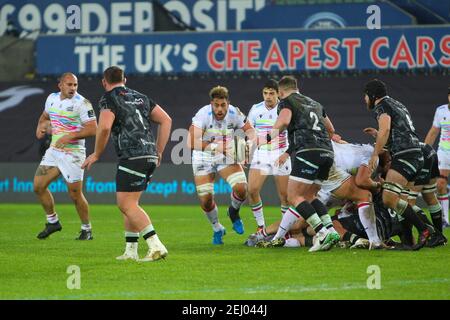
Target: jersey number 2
[[316, 121]]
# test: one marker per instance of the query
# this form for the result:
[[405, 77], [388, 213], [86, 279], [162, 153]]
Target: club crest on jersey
[[70, 108], [230, 126]]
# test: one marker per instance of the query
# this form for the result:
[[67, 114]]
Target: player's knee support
[[430, 188], [235, 178], [435, 208], [401, 206], [205, 189]]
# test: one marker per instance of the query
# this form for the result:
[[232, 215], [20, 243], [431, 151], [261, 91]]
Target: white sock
[[52, 218], [443, 199], [367, 216], [258, 213], [236, 202], [131, 247], [213, 217], [292, 243], [86, 226], [289, 218]]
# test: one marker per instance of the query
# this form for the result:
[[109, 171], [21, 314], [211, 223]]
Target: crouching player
[[211, 137]]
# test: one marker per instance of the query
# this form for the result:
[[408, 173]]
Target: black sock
[[308, 241], [131, 239], [411, 216], [437, 220], [406, 236], [233, 214], [306, 210], [423, 217], [348, 236], [322, 211], [149, 234]]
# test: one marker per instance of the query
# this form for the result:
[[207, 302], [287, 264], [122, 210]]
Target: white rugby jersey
[[218, 130], [67, 116], [349, 156], [263, 121], [442, 121]]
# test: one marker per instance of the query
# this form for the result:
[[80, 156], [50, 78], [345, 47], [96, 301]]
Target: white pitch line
[[255, 290]]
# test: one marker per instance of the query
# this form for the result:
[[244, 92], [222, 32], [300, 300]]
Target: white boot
[[156, 250], [131, 252]]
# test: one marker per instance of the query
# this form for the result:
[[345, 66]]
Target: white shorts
[[264, 160], [203, 164], [336, 178], [69, 164], [444, 159]]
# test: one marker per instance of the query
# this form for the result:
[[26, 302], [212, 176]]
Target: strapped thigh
[[393, 187], [429, 188], [205, 189], [235, 178]]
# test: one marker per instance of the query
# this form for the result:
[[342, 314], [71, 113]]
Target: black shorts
[[134, 175], [312, 166], [429, 171], [408, 164]]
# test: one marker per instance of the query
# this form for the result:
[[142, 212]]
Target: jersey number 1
[[140, 118], [410, 122]]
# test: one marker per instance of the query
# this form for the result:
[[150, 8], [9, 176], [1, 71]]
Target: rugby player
[[307, 123], [211, 139], [441, 123], [127, 115], [72, 119], [397, 134], [269, 159]]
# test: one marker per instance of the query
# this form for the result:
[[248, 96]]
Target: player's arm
[[250, 131], [363, 179], [160, 117], [283, 120], [105, 122], [42, 125], [330, 129], [384, 128], [88, 130], [432, 135]]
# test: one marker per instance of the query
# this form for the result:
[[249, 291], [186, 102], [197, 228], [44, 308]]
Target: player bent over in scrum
[[396, 132], [211, 137], [425, 183]]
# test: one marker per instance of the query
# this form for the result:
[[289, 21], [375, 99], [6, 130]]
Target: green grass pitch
[[195, 269]]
